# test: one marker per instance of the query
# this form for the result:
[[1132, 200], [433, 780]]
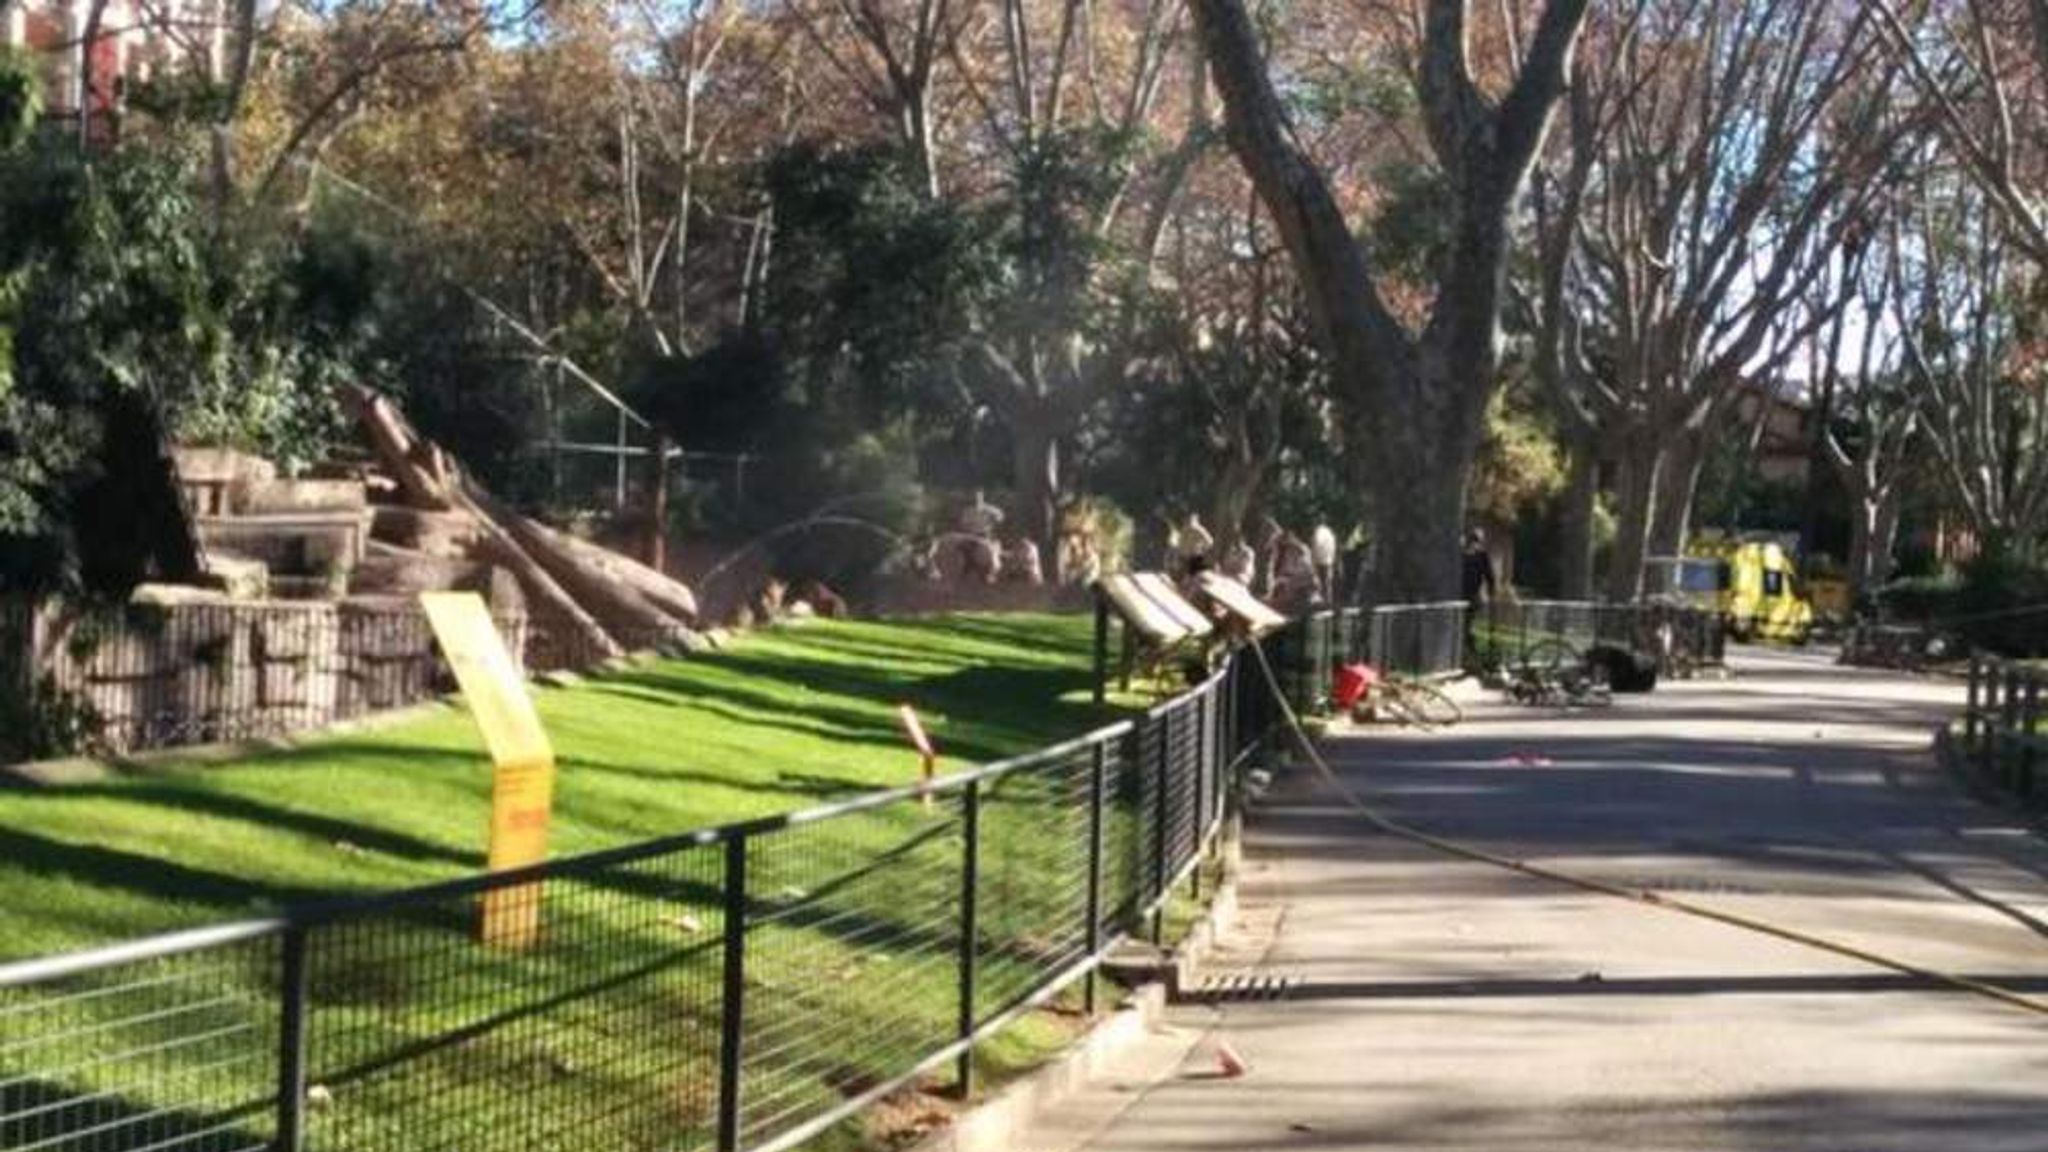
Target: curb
[[1000, 1122], [997, 1124]]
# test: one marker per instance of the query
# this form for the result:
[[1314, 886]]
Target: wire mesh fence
[[743, 987], [129, 677], [1445, 639], [1537, 631]]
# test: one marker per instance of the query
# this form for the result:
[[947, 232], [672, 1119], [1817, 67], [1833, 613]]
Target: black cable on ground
[[1642, 896]]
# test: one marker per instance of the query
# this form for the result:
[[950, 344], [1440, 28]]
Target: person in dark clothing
[[1476, 577], [1478, 569]]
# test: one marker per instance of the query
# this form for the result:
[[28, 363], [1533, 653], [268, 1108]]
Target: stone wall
[[159, 675]]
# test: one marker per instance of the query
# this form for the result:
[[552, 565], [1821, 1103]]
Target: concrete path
[[1446, 1005]]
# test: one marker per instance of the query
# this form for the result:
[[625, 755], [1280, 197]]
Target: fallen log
[[428, 479]]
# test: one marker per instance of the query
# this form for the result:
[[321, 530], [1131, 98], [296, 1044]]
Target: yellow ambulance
[[1753, 584]]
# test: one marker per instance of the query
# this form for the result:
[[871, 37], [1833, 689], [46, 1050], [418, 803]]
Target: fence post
[[1994, 715], [291, 1042], [1097, 773], [2030, 711], [732, 1019], [1101, 646], [1201, 789], [1970, 702], [2009, 719], [1160, 810], [970, 931]]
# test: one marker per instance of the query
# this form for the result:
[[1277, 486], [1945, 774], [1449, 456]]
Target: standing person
[[1476, 578], [981, 556], [1295, 588], [1322, 546], [1022, 563], [1240, 563], [1268, 541], [1194, 544]]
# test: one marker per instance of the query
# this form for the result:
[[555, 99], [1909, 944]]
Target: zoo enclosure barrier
[[129, 677], [2001, 725], [1680, 636], [1438, 640], [1422, 640], [740, 987]]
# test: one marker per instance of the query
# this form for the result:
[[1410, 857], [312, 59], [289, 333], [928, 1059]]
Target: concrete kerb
[[999, 1123]]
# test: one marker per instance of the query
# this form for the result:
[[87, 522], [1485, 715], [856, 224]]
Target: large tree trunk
[[1036, 483], [1863, 514], [1423, 457], [1236, 490], [1636, 504], [1575, 526], [1884, 538], [1678, 480], [1419, 396]]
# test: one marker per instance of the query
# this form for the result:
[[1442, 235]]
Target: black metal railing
[[2002, 725], [1444, 639], [1423, 640], [1678, 636], [740, 987]]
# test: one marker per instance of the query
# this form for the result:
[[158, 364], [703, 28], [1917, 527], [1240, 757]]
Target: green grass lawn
[[606, 1030], [780, 720]]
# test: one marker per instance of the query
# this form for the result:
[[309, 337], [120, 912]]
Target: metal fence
[[1426, 640], [128, 677], [1680, 637], [741, 987], [2001, 725], [1441, 639]]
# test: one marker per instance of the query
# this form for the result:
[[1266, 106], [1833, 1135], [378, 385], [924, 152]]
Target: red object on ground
[[1349, 684], [1229, 1064]]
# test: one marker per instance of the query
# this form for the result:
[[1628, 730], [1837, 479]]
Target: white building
[[134, 40]]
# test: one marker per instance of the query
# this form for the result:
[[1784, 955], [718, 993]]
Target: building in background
[[92, 50]]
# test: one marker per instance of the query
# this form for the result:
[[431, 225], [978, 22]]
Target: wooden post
[[1970, 702], [619, 468], [657, 510], [2009, 718], [2030, 712], [1101, 646]]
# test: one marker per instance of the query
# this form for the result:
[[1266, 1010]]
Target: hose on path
[[1640, 896]]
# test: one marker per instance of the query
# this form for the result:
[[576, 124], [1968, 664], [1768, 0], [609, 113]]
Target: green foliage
[[21, 98], [133, 312], [1993, 603], [1520, 464], [1413, 227], [48, 721], [873, 279]]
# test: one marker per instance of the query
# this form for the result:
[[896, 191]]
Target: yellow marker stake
[[523, 784], [913, 728]]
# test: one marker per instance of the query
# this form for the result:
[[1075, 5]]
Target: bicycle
[[1556, 674], [1410, 702]]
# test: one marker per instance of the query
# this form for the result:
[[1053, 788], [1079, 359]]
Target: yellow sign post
[[523, 784]]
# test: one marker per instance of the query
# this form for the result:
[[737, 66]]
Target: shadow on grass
[[43, 1115], [335, 831], [150, 876], [1031, 709]]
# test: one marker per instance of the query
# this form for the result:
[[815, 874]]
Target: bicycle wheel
[[1424, 705], [1553, 655]]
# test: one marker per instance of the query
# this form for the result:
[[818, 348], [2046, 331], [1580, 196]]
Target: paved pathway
[[1445, 1005]]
